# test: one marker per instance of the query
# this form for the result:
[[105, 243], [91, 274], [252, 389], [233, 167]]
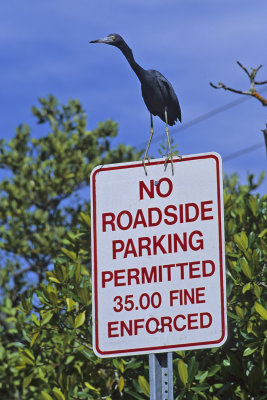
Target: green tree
[[45, 343], [55, 356], [39, 198], [237, 370], [46, 187]]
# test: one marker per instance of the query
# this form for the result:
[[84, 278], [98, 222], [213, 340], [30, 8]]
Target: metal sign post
[[160, 376], [158, 261]]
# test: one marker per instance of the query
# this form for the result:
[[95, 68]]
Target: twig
[[252, 91], [244, 68], [260, 83], [223, 86]]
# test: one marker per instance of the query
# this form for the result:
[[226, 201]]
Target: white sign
[[158, 256]]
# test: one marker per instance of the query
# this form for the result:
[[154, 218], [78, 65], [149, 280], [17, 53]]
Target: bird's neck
[[127, 52]]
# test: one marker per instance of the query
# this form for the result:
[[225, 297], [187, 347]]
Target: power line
[[243, 151], [208, 115]]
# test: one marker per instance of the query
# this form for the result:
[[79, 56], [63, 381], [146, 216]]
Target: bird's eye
[[112, 38]]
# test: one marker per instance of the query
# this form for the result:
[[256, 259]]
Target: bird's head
[[113, 39]]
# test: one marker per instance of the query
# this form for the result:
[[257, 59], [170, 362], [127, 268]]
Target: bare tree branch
[[244, 68], [260, 83], [223, 86], [252, 91], [260, 98]]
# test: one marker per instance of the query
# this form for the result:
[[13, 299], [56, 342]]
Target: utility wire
[[208, 115], [243, 151]]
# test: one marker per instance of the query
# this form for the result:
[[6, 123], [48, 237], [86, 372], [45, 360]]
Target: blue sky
[[44, 49]]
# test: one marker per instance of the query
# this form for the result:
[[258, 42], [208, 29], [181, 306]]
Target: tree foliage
[[39, 198], [45, 343], [40, 202]]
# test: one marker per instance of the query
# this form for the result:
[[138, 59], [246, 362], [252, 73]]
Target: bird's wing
[[163, 83], [168, 93]]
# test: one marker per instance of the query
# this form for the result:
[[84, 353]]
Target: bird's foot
[[169, 157], [144, 161]]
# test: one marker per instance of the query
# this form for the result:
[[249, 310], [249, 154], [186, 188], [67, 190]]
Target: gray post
[[161, 376]]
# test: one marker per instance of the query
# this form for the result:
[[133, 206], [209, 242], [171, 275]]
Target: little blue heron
[[158, 94]]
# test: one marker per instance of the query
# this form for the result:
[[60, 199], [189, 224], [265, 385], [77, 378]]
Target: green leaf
[[86, 218], [79, 320], [133, 364], [183, 372], [70, 254], [89, 386], [257, 290], [245, 268], [45, 396], [53, 279], [35, 319], [253, 205], [213, 370], [18, 345], [192, 368], [58, 394], [118, 365], [69, 360], [144, 385], [239, 312], [42, 374], [201, 376], [121, 384], [260, 310], [46, 317], [181, 353], [84, 295], [87, 354], [27, 355], [246, 287], [241, 240], [68, 176], [27, 380], [263, 233], [35, 336], [249, 351], [201, 387], [26, 359], [70, 304]]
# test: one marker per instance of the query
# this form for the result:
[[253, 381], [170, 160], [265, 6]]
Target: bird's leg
[[169, 144], [146, 157]]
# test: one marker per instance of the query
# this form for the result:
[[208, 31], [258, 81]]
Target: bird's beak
[[107, 40]]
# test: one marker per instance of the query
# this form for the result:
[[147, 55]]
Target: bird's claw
[[166, 162], [169, 157], [144, 161]]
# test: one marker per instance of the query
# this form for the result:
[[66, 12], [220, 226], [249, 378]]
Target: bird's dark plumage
[[157, 92]]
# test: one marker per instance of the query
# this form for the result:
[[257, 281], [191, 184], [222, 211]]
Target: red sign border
[[166, 348]]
